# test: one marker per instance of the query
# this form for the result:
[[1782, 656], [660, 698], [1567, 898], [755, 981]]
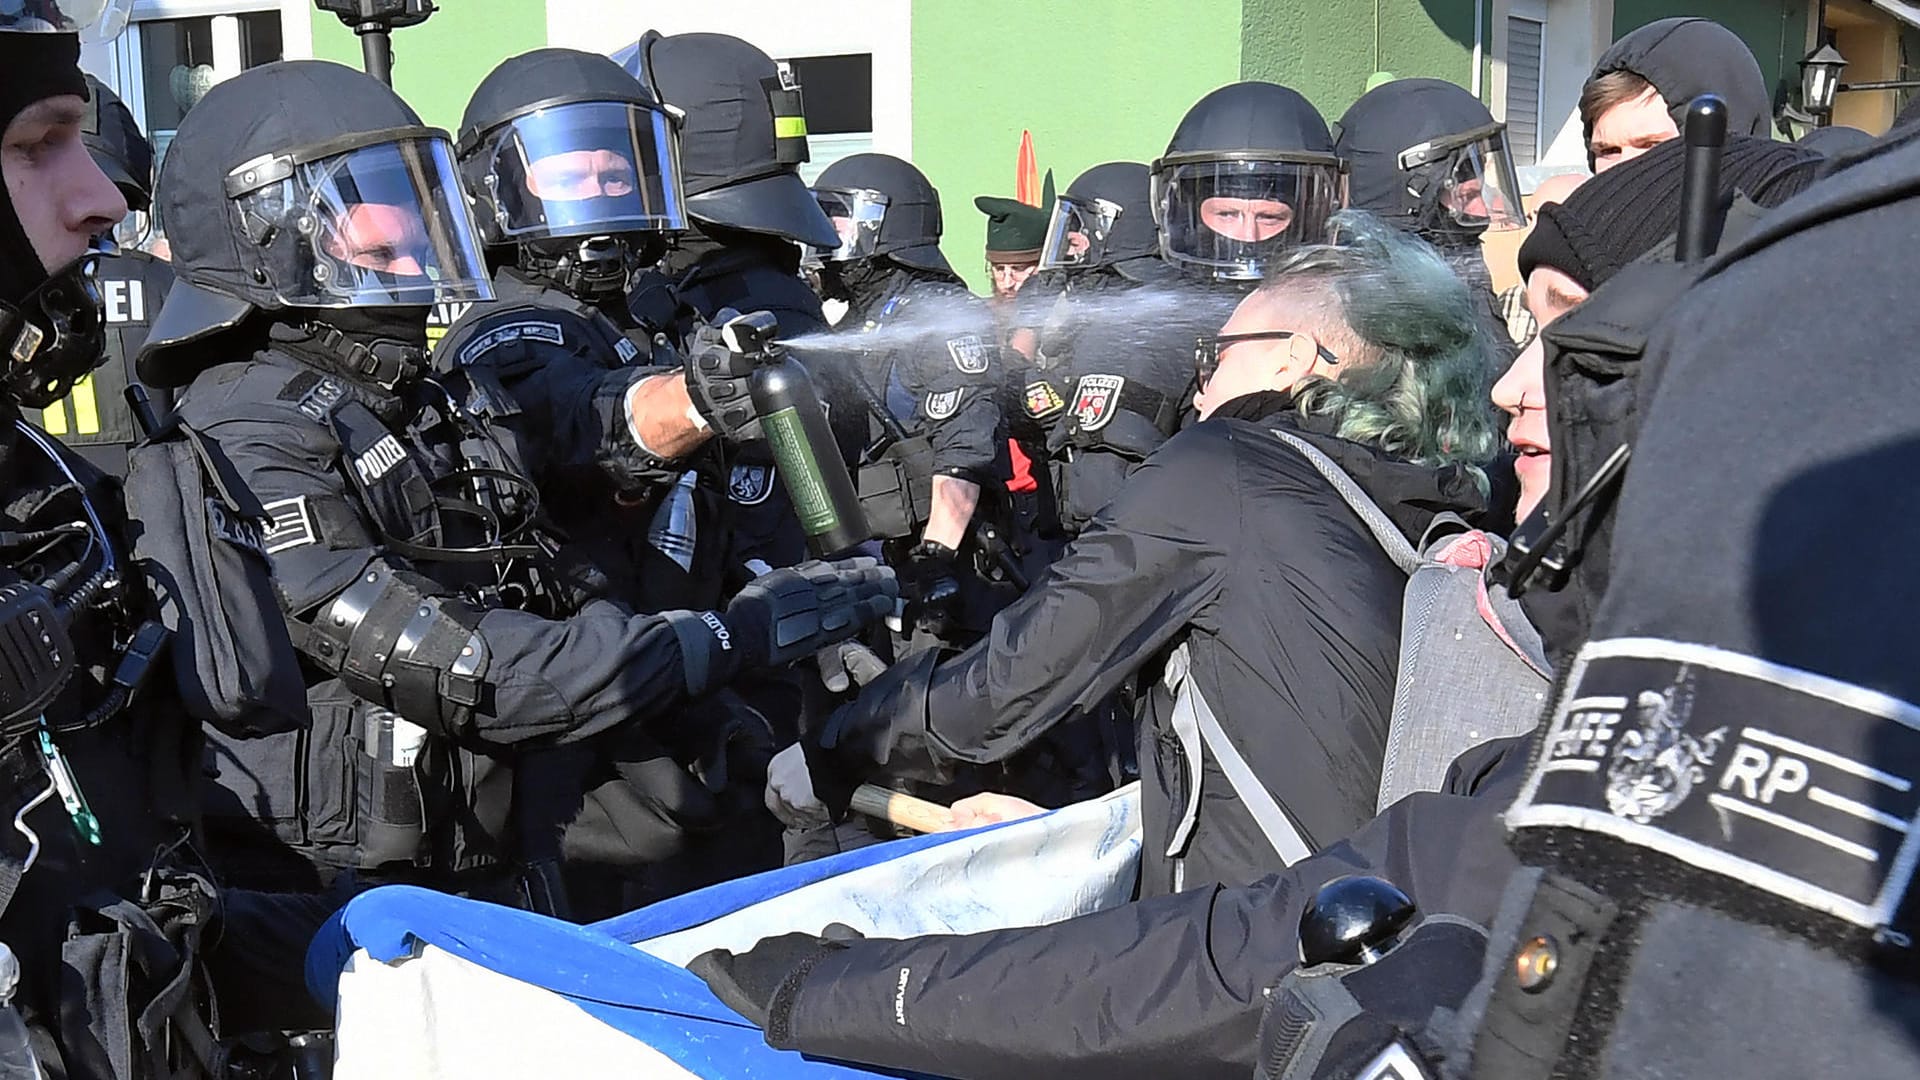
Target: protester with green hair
[[1231, 576]]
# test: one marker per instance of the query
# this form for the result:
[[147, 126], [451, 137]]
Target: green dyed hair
[[1424, 394]]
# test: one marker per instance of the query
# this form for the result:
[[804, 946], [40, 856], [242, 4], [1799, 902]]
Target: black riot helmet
[[1427, 156], [881, 205], [124, 154], [1104, 218], [272, 204], [745, 134], [574, 163], [1249, 173], [52, 327]]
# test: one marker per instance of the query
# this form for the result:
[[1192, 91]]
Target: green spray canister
[[804, 451]]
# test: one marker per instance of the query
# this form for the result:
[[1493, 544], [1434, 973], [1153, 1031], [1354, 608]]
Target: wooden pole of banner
[[902, 810]]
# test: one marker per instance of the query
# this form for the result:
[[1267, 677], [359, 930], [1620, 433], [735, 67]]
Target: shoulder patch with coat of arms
[[944, 403], [970, 354], [1095, 399], [750, 484]]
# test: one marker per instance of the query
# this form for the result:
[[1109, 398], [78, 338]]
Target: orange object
[[1026, 180]]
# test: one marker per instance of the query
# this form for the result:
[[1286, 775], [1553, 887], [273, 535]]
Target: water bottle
[[804, 451], [17, 1061]]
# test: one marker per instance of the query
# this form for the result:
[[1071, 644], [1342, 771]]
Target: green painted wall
[[437, 64], [1776, 30], [1326, 48], [1094, 82]]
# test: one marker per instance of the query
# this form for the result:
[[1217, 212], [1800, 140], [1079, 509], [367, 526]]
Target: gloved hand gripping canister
[[748, 387], [783, 616]]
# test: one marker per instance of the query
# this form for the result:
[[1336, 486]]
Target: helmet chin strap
[[590, 268]]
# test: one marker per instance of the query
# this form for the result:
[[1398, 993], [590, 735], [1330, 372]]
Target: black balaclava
[[38, 66], [1686, 57]]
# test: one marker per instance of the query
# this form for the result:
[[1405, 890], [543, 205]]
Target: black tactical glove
[[782, 616], [930, 584], [717, 381], [763, 981]]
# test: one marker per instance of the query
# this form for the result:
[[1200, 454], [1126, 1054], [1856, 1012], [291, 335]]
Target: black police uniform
[[96, 418]]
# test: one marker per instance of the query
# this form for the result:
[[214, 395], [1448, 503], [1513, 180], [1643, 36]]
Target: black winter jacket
[[1226, 540]]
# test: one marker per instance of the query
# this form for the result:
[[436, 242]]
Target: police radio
[[804, 451]]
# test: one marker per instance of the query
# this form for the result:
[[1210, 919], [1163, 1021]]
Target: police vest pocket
[[257, 780]]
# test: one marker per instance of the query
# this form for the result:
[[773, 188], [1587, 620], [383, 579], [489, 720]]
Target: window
[[838, 94], [165, 65], [1526, 42]]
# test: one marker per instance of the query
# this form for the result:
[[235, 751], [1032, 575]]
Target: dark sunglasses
[[1207, 350]]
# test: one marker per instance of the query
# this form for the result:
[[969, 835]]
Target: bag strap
[[1391, 540], [1193, 723]]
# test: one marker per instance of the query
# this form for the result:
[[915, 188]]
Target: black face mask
[[384, 346], [856, 281]]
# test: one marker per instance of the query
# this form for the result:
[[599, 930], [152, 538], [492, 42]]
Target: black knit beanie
[[38, 66], [1625, 212]]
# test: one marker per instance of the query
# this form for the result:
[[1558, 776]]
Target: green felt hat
[[1015, 231]]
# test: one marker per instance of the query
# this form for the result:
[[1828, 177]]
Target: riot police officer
[[444, 639], [741, 145], [1427, 156], [101, 898], [1249, 172], [96, 418], [929, 389], [1100, 242], [571, 165]]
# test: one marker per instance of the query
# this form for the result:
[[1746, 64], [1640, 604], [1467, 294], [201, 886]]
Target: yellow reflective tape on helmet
[[86, 408], [789, 127]]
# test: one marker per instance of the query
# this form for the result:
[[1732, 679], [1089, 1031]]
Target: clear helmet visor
[[93, 20], [375, 225], [1078, 232], [1232, 217], [587, 168], [1479, 187], [857, 214]]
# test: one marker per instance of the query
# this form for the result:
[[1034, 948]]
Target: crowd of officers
[[412, 514]]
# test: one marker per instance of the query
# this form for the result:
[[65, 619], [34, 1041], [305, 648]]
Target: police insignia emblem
[[1043, 400], [1655, 765], [750, 484], [943, 404], [1095, 399], [969, 354]]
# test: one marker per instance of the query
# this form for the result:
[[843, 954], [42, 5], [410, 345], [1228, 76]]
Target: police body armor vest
[[366, 789]]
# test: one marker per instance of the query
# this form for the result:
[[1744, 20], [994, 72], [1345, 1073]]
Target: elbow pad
[[391, 641]]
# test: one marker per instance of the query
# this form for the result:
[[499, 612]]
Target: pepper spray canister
[[804, 451]]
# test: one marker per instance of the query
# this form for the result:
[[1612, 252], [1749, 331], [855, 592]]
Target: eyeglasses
[[1207, 350]]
